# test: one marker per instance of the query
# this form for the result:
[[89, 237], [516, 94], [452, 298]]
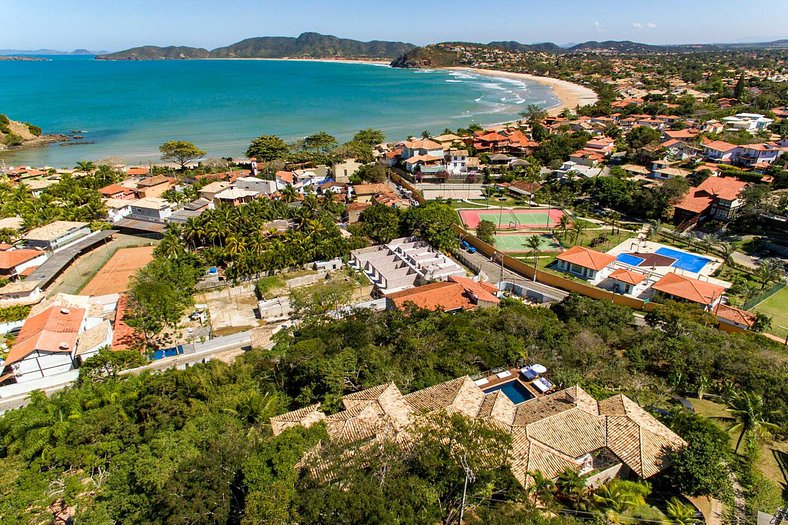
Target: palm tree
[[726, 253], [541, 489], [289, 194], [572, 487], [533, 243], [488, 192], [747, 410], [85, 166], [563, 223], [577, 230], [770, 270], [680, 514], [612, 497]]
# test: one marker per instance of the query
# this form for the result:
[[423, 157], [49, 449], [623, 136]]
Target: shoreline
[[368, 62], [569, 94]]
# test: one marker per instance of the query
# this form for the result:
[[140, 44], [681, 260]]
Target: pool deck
[[635, 246], [494, 380]]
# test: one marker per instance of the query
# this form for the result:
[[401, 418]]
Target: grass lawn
[[773, 462], [776, 307]]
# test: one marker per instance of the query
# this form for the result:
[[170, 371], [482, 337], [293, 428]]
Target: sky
[[113, 25]]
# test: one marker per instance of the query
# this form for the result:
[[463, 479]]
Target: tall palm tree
[[563, 223], [770, 270], [85, 166], [680, 514], [289, 194], [577, 230], [726, 253], [533, 243], [746, 408]]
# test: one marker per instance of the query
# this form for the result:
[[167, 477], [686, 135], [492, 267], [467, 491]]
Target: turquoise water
[[125, 110]]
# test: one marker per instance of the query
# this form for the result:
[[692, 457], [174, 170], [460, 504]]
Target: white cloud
[[598, 27], [637, 24], [652, 25]]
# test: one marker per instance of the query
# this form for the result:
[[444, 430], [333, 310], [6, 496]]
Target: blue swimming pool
[[684, 260], [514, 390], [629, 259]]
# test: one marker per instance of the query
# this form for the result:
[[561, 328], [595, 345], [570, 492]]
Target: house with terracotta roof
[[718, 150], [716, 197], [455, 295], [116, 191], [421, 147], [565, 430], [154, 186], [624, 280], [365, 193], [16, 262], [682, 288], [137, 171], [736, 318], [583, 262], [59, 334]]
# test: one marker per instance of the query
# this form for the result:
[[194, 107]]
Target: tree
[[642, 136], [534, 114], [266, 148], [762, 322], [434, 221], [770, 270], [485, 231], [375, 173], [108, 363], [751, 416], [680, 514], [320, 299], [369, 137], [577, 230], [619, 495], [534, 242], [85, 166], [381, 223], [180, 151], [321, 142], [699, 469]]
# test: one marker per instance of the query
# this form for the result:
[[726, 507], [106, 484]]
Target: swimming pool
[[514, 390], [684, 260], [629, 259]]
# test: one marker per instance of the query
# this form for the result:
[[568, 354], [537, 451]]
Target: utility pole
[[469, 476]]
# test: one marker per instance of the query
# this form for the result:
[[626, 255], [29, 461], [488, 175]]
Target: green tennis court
[[518, 242], [513, 219]]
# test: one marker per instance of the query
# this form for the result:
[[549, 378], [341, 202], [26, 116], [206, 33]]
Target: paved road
[[479, 262]]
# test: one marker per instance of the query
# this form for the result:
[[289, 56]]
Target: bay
[[124, 110]]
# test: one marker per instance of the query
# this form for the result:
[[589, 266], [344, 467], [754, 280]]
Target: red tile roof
[[455, 294], [690, 289], [114, 189], [586, 257], [13, 258], [719, 145], [53, 330], [698, 199], [137, 171], [124, 336], [627, 276], [735, 315]]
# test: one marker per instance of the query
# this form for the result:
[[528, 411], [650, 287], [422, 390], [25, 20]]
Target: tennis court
[[518, 242], [115, 275], [533, 219]]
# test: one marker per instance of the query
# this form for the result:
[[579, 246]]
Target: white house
[[457, 161], [752, 122], [13, 262], [266, 187], [343, 170], [118, 209], [56, 234], [421, 147], [151, 209]]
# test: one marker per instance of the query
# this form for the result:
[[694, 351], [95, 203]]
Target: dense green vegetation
[[193, 446], [71, 198]]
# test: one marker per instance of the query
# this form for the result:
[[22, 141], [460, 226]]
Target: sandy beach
[[570, 95], [331, 60]]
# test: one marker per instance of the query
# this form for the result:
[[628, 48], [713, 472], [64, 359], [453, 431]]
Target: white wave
[[454, 81], [492, 85]]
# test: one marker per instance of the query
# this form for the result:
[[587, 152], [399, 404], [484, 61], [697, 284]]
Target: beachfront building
[[56, 234], [583, 262], [422, 148], [458, 294], [264, 187], [402, 264], [564, 430]]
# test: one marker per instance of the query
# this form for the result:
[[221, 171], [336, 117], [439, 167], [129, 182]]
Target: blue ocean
[[124, 110]]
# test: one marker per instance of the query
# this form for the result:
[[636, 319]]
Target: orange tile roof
[[53, 330], [114, 189], [286, 176], [137, 171], [13, 258], [690, 289], [422, 144], [371, 189], [627, 276], [455, 294], [586, 257], [682, 134], [154, 181], [124, 336], [719, 145], [727, 188], [735, 315]]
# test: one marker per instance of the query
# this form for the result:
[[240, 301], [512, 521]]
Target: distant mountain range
[[307, 45], [49, 52]]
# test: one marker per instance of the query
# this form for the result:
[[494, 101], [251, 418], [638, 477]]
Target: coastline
[[368, 62], [569, 94]]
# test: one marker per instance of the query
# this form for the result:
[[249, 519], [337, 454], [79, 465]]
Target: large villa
[[551, 431]]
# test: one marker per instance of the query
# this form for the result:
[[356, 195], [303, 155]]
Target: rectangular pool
[[514, 390], [629, 259], [684, 260]]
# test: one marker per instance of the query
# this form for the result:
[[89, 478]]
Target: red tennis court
[[530, 219]]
